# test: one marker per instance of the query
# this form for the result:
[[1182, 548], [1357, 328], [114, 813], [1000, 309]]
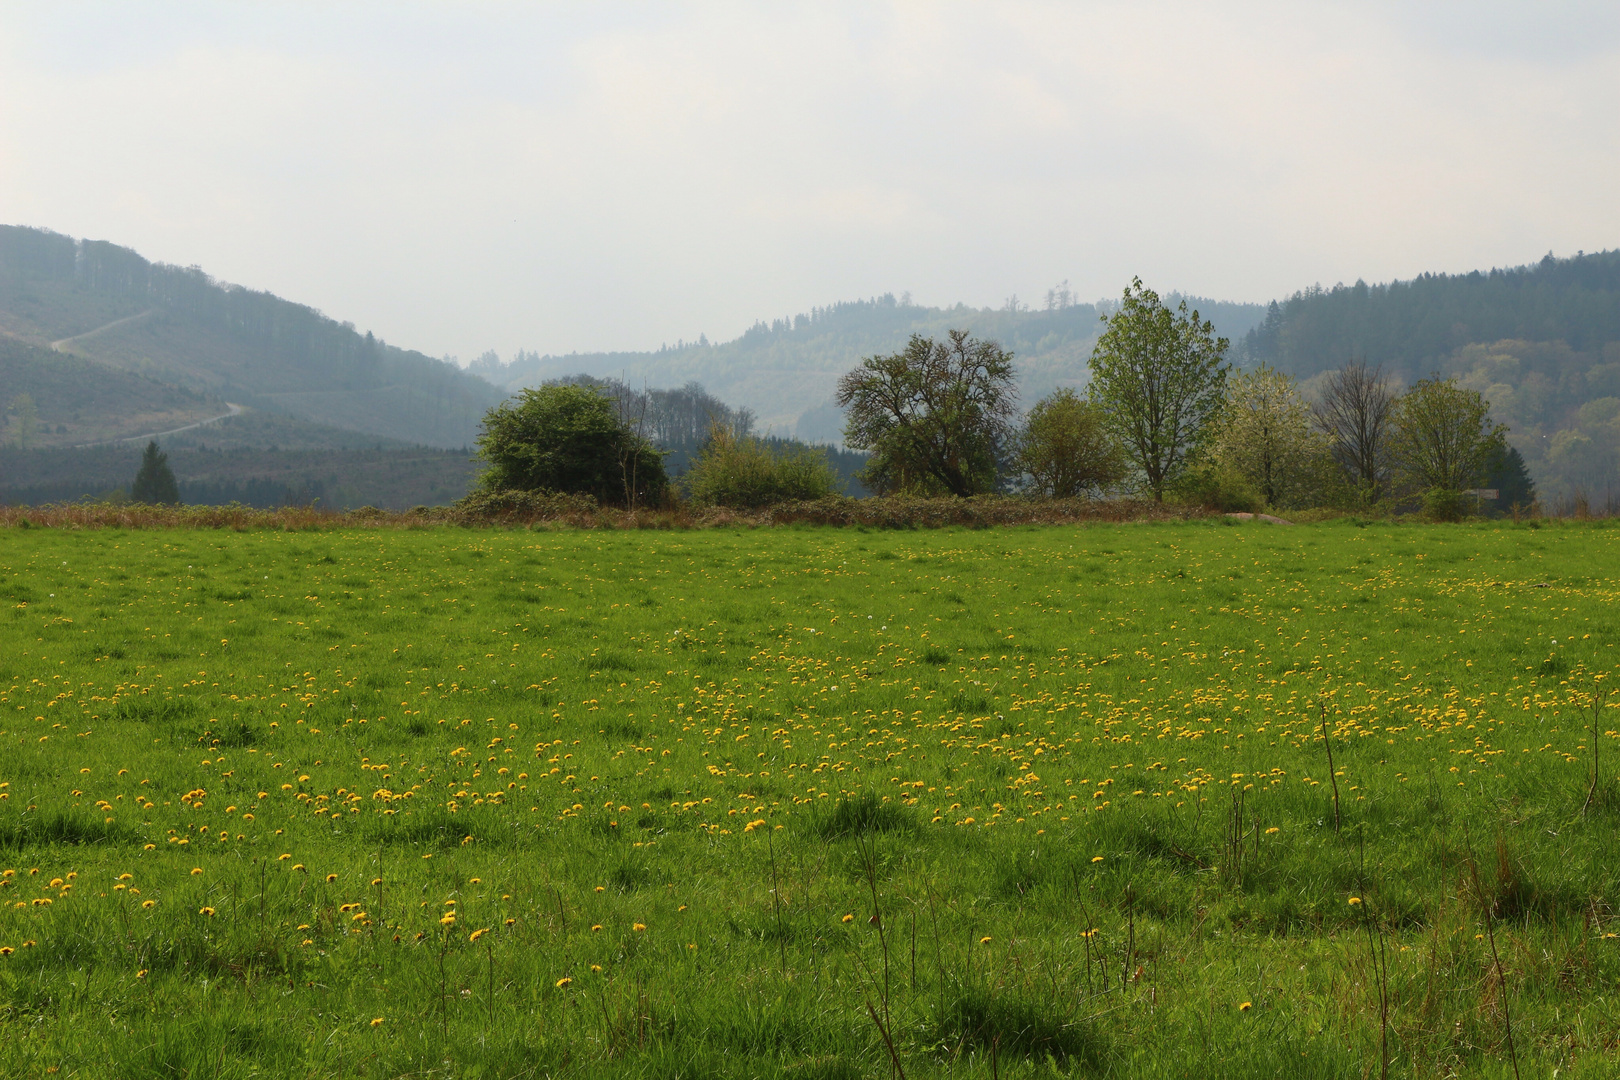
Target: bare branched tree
[[1354, 414]]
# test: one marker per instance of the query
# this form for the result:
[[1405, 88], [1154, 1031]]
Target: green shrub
[[569, 439], [1442, 505], [743, 473]]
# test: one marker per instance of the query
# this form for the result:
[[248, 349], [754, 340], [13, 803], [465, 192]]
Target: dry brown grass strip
[[524, 510]]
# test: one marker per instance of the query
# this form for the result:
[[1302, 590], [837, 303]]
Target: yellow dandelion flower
[[1355, 900], [599, 888], [331, 878], [564, 981], [195, 870], [638, 927], [206, 911], [596, 928], [1096, 858], [377, 1022], [985, 940], [448, 920], [148, 904], [847, 918], [476, 934], [141, 974], [1246, 1006], [596, 968], [6, 950]]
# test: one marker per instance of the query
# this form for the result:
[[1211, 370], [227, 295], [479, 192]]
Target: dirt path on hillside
[[236, 410], [58, 345]]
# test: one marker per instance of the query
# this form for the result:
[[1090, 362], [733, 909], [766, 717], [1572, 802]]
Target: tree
[[1506, 472], [154, 481], [568, 439], [1264, 435], [936, 416], [741, 471], [1066, 448], [1159, 376], [1354, 414], [1443, 439]]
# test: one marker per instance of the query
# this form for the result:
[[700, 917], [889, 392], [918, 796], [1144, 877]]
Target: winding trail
[[58, 345], [236, 410]]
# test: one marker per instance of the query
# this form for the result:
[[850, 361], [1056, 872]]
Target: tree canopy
[[154, 482], [936, 416], [569, 439], [1066, 449], [1159, 376]]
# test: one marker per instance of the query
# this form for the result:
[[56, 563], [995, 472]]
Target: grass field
[[766, 803]]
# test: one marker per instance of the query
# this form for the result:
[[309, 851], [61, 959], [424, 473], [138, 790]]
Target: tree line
[[1166, 415]]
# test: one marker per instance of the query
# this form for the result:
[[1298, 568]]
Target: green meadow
[[810, 802]]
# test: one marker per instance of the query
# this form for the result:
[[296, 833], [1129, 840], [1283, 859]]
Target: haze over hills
[[98, 344], [785, 371]]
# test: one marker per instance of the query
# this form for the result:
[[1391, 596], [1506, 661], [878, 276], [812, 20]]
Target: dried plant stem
[[1333, 776]]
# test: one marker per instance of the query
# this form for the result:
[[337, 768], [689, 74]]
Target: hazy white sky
[[466, 176]]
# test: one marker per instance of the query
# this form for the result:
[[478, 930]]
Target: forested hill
[[785, 371], [1541, 342], [181, 327]]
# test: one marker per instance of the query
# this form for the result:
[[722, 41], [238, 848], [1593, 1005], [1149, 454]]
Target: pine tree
[[154, 483]]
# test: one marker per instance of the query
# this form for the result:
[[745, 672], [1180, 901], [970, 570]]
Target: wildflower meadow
[[1172, 799]]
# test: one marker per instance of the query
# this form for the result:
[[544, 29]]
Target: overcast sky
[[466, 176]]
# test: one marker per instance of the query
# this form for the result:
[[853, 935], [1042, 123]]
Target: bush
[[1066, 449], [743, 473], [569, 439], [1216, 488], [1442, 505]]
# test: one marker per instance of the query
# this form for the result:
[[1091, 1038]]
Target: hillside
[[219, 342], [48, 399], [1541, 342], [785, 371]]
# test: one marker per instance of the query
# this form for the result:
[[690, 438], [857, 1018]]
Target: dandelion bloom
[[283, 858], [564, 981], [510, 922], [985, 940], [377, 1022], [596, 968], [476, 934], [6, 950], [848, 918], [331, 878], [638, 927], [141, 974], [1355, 900], [148, 903], [448, 920], [1096, 858], [195, 870], [1246, 1006], [600, 889], [206, 911]]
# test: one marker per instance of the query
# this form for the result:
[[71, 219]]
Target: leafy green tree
[[1264, 434], [1159, 376], [936, 416], [154, 481], [1505, 471], [1066, 449], [1443, 439], [742, 471], [568, 439]]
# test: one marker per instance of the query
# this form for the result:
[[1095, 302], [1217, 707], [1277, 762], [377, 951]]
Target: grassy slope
[[1045, 727]]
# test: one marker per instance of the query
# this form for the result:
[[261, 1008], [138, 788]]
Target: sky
[[584, 177]]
